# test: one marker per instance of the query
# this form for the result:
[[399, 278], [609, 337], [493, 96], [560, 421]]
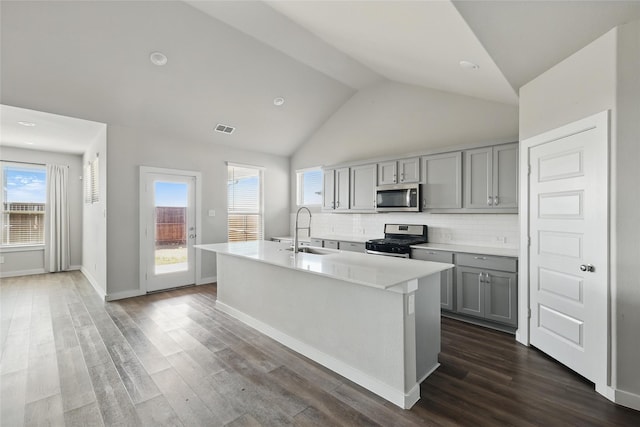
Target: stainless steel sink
[[313, 250]]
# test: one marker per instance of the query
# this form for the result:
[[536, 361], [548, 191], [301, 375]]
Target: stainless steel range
[[398, 239]]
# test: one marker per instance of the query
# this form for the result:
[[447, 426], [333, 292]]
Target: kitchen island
[[372, 319]]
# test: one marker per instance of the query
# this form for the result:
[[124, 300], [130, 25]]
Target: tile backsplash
[[494, 230]]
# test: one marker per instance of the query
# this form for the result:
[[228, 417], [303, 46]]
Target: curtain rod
[[27, 163]]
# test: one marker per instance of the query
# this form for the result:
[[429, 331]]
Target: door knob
[[587, 267]]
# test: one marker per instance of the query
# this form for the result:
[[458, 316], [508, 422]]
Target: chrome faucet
[[295, 231]]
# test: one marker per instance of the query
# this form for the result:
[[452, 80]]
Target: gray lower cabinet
[[338, 244], [351, 246], [331, 244], [487, 293], [447, 290]]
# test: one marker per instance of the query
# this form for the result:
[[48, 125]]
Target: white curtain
[[56, 249]]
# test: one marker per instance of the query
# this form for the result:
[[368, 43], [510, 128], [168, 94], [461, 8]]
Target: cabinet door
[[387, 173], [328, 189], [351, 246], [500, 296], [331, 244], [478, 187], [409, 170], [442, 181], [505, 176], [363, 187], [470, 291], [447, 293], [342, 189]]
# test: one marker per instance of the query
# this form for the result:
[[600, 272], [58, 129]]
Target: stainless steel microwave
[[398, 198]]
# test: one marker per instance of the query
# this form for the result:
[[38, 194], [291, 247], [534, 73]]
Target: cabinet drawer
[[316, 242], [431, 255], [331, 244], [352, 246], [488, 262]]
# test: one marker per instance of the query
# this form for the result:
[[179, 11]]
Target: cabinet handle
[[490, 201], [496, 201], [487, 278], [480, 257], [338, 204]]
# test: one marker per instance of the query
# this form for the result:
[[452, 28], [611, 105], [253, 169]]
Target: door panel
[[168, 208], [568, 229]]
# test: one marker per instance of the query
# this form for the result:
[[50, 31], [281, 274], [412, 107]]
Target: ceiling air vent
[[224, 128]]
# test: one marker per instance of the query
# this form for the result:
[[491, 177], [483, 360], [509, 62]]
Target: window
[[91, 177], [244, 203], [23, 204], [309, 189]]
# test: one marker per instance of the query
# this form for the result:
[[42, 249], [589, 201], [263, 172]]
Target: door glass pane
[[170, 201]]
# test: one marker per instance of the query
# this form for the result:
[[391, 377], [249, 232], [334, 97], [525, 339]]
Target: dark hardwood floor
[[172, 359]]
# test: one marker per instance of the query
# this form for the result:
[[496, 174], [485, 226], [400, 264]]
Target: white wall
[[626, 208], [94, 220], [393, 119], [32, 262], [130, 148], [604, 76]]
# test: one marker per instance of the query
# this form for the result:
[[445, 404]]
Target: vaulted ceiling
[[228, 60]]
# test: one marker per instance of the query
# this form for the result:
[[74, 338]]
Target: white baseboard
[[395, 396], [93, 282], [16, 273], [75, 268], [124, 294], [207, 280], [623, 398]]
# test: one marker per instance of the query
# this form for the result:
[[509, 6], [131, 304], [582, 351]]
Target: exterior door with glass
[[168, 230]]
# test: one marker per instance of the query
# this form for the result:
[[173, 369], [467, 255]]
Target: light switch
[[212, 212]]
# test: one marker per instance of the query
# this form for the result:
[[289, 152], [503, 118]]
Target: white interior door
[[568, 257], [168, 230]]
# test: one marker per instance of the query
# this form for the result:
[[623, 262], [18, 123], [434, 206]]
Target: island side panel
[[358, 326], [427, 325]]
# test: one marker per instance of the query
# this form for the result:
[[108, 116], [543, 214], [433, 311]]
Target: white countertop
[[370, 270], [483, 250]]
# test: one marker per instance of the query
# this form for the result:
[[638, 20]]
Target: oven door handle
[[387, 254]]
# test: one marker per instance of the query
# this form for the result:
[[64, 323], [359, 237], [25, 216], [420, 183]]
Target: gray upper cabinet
[[505, 176], [363, 187], [328, 189], [399, 171], [442, 177], [491, 177], [342, 189], [335, 189]]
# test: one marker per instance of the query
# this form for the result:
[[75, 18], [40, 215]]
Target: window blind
[[23, 204], [244, 203], [91, 182], [310, 187]]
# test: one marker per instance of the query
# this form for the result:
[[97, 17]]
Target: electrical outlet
[[1, 260], [212, 212], [447, 236]]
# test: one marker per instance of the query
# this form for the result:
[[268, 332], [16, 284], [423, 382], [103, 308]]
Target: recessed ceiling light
[[158, 58], [27, 124], [469, 65], [278, 101], [28, 143]]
